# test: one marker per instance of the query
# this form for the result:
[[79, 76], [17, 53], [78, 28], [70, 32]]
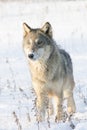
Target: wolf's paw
[[71, 110], [40, 118], [58, 117]]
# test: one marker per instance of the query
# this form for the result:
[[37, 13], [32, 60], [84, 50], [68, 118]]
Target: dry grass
[[17, 121]]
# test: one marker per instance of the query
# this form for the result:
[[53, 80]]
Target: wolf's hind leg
[[71, 104]]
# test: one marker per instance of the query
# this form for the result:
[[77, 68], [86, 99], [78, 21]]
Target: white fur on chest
[[38, 70]]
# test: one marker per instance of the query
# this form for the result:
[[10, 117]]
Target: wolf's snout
[[31, 56]]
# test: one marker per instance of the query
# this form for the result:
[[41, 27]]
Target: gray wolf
[[51, 71]]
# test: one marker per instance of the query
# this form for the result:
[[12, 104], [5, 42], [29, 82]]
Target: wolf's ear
[[26, 28], [47, 29]]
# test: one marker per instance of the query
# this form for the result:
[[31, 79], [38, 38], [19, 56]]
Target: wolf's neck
[[39, 64]]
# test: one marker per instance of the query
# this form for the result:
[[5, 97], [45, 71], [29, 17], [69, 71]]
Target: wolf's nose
[[31, 56]]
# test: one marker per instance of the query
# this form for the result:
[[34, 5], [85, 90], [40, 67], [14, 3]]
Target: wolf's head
[[37, 43]]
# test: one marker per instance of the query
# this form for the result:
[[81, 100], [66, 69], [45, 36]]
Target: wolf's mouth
[[33, 56], [36, 55]]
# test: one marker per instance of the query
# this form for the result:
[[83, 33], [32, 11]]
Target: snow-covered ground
[[69, 21]]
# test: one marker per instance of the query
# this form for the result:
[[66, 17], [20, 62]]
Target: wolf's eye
[[39, 43]]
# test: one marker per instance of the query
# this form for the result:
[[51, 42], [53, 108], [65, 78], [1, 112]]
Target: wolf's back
[[67, 62]]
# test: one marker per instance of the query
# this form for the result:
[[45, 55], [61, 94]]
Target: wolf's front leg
[[42, 99], [50, 107], [42, 104], [58, 103]]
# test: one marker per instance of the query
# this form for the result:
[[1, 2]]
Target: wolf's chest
[[39, 71]]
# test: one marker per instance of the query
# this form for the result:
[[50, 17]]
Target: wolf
[[51, 71]]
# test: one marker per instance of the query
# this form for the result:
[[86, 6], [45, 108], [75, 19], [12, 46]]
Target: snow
[[69, 22]]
